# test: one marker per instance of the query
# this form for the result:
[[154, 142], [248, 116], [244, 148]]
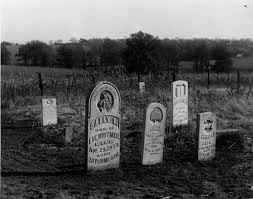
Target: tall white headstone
[[49, 112], [179, 103], [153, 138], [206, 129], [103, 147]]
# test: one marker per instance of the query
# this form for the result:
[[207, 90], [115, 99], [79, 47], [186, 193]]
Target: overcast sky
[[26, 20]]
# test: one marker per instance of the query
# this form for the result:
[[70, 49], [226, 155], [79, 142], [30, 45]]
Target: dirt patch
[[42, 165]]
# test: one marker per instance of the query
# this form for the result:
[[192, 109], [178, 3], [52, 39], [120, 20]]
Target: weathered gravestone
[[103, 143], [49, 112], [142, 87], [68, 134], [179, 103], [153, 138], [206, 131]]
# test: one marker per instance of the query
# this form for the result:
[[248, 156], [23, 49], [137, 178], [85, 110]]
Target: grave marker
[[49, 111], [206, 131], [142, 87], [68, 134], [179, 103], [103, 142], [153, 138]]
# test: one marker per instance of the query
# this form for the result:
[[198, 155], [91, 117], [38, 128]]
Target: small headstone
[[142, 87], [68, 134], [206, 129], [103, 147], [153, 139], [179, 103], [49, 111]]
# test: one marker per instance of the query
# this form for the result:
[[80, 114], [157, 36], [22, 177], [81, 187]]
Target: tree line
[[141, 53]]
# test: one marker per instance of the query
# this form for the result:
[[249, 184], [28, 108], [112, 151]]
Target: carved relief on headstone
[[49, 112], [153, 138], [103, 147], [179, 103], [206, 136], [142, 87]]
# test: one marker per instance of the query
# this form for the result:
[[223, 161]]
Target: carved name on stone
[[103, 147], [206, 136], [49, 112], [179, 103], [153, 139]]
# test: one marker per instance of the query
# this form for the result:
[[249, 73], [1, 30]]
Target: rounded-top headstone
[[179, 103], [103, 143], [153, 139]]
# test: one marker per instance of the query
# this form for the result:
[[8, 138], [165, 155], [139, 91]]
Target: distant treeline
[[140, 53]]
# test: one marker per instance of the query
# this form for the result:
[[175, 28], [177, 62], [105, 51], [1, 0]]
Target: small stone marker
[[153, 139], [142, 87], [179, 103], [206, 129], [103, 147], [68, 134], [49, 111]]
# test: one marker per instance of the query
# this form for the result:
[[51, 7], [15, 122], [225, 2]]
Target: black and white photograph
[[126, 99]]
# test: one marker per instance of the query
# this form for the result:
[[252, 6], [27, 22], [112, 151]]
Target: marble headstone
[[142, 87], [179, 103], [206, 127], [153, 138], [103, 143], [49, 112]]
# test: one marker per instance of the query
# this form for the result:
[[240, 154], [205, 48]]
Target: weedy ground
[[229, 175]]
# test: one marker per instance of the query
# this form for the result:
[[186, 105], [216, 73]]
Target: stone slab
[[179, 103], [49, 111], [153, 138], [206, 131], [103, 143]]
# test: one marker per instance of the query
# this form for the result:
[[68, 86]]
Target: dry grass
[[229, 175], [19, 86]]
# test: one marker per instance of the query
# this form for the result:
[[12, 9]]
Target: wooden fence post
[[208, 78], [40, 84], [238, 80], [174, 76]]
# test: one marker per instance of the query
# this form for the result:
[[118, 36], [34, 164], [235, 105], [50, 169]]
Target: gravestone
[[142, 87], [179, 103], [49, 112], [206, 131], [103, 143], [153, 138], [68, 134]]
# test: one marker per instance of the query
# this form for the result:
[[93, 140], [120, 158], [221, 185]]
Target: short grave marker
[[179, 103], [103, 143], [206, 131], [142, 87], [49, 111], [153, 138], [68, 134]]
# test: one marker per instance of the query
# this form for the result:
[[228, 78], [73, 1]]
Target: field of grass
[[243, 64], [229, 175]]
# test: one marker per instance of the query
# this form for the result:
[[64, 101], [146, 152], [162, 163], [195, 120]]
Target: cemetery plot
[[103, 147], [153, 138], [206, 136], [49, 111], [228, 175], [179, 103]]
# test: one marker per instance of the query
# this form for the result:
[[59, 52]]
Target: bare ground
[[50, 170]]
